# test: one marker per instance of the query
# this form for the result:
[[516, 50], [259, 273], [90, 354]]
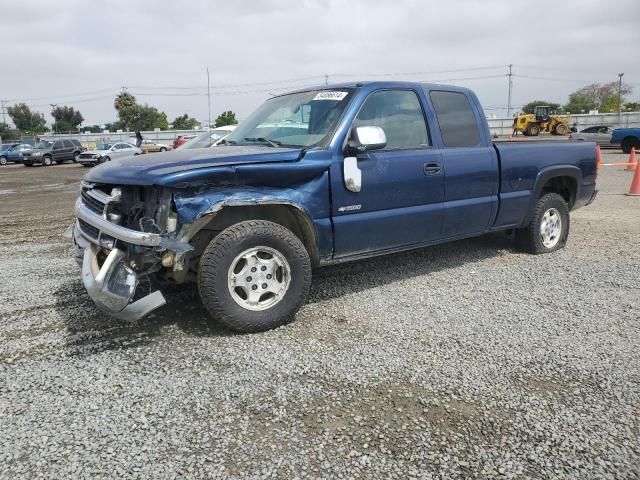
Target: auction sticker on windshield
[[330, 95]]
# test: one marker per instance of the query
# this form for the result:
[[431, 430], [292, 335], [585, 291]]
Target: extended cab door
[[470, 163], [402, 185]]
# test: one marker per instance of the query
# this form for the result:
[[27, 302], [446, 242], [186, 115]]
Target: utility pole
[[620, 99], [53, 108], [510, 75], [209, 102], [4, 118], [326, 79]]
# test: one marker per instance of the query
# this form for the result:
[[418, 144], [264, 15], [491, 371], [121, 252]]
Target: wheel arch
[[563, 180], [287, 214]]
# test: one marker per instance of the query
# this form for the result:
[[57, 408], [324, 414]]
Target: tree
[[632, 107], [226, 118], [133, 116], [597, 96], [66, 119], [26, 120], [124, 100], [7, 133], [184, 122], [92, 128], [530, 107]]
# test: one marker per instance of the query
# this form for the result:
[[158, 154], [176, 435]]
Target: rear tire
[[533, 130], [162, 149], [223, 278], [549, 226], [3, 160], [561, 129]]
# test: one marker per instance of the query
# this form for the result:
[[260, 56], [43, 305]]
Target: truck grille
[[89, 230], [94, 204]]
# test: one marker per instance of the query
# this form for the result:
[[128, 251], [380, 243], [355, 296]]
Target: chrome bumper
[[116, 231], [112, 285]]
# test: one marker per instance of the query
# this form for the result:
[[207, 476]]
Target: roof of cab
[[372, 85]]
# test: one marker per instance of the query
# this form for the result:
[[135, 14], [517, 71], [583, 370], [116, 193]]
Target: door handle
[[432, 168]]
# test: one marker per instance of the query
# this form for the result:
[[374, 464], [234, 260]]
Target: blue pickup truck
[[314, 177], [627, 138]]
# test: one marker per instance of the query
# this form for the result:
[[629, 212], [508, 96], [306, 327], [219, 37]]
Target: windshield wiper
[[271, 143], [228, 142]]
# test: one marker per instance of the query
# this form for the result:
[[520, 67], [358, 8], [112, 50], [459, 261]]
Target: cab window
[[399, 114], [458, 124]]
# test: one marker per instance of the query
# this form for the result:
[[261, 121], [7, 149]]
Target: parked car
[[47, 153], [107, 152], [149, 146], [627, 138], [181, 140], [207, 139], [600, 134], [381, 167], [12, 152]]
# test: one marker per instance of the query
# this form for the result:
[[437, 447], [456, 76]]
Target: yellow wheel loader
[[531, 124]]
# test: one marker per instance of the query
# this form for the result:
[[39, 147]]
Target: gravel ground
[[467, 360]]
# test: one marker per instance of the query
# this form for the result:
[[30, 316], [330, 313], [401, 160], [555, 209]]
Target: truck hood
[[171, 168]]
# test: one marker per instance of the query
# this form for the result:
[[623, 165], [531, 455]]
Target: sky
[[82, 53]]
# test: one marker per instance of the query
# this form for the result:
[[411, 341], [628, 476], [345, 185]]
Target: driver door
[[400, 203]]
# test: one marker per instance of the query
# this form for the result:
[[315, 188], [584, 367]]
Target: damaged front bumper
[[113, 284]]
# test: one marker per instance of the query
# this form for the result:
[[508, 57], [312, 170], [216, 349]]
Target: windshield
[[204, 140], [295, 120], [104, 146], [43, 144]]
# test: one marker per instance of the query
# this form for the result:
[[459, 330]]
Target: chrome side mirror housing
[[352, 175], [368, 138]]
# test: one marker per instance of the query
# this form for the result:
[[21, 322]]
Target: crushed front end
[[124, 235]]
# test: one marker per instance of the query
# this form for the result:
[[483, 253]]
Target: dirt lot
[[457, 361]]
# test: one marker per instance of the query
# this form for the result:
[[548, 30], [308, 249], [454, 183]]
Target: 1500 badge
[[349, 208]]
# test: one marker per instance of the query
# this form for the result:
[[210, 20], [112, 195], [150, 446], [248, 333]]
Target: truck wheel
[[46, 161], [629, 143], [533, 130], [3, 160], [561, 129], [549, 226], [254, 276]]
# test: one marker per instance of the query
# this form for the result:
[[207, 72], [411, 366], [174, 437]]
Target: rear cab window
[[456, 118]]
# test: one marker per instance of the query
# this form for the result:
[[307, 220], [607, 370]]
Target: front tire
[[3, 160], [549, 226], [533, 131], [254, 276], [162, 149], [46, 161]]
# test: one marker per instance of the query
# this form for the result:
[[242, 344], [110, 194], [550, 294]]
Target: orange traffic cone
[[598, 157], [634, 189], [633, 161]]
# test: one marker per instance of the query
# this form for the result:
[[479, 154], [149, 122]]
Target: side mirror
[[352, 175], [367, 138]]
